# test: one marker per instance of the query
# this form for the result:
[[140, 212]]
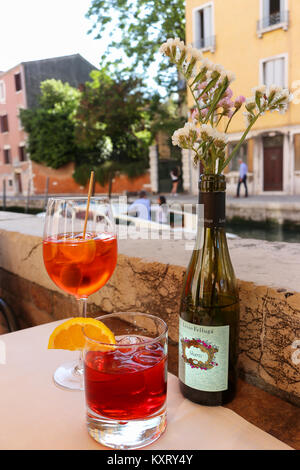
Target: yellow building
[[258, 40]]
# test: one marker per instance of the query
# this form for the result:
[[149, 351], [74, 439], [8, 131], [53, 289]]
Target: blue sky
[[40, 29]]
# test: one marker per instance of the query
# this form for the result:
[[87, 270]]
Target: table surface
[[36, 414]]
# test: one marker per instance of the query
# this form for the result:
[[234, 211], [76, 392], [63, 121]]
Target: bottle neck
[[212, 201]]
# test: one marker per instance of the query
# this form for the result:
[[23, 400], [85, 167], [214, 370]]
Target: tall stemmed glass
[[80, 255]]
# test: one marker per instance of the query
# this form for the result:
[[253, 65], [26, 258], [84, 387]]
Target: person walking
[[162, 210], [242, 178], [174, 174]]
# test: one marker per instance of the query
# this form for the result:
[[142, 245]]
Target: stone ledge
[[148, 278]]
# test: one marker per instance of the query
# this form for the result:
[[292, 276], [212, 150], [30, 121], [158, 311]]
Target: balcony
[[271, 22], [206, 44]]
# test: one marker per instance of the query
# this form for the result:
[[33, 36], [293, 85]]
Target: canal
[[269, 232]]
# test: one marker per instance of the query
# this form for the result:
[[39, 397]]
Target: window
[[2, 91], [240, 155], [4, 123], [203, 28], [18, 82], [22, 153], [7, 158], [297, 151], [273, 15], [10, 183], [273, 71]]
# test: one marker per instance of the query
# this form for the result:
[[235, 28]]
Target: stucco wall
[[148, 278]]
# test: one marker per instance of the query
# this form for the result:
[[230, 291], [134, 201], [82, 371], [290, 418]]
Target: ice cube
[[130, 339]]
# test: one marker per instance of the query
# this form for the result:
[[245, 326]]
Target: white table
[[35, 414]]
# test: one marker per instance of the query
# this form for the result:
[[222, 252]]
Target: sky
[[41, 29]]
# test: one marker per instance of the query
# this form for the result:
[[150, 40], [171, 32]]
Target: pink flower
[[230, 113], [195, 114], [239, 101], [228, 93], [225, 103], [202, 85]]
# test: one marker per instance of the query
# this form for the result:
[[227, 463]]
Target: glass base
[[131, 434], [69, 376]]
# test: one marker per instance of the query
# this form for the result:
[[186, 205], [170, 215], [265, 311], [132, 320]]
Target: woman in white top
[[162, 211], [175, 180]]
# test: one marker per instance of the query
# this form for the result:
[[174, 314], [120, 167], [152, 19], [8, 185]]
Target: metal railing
[[279, 18], [208, 42]]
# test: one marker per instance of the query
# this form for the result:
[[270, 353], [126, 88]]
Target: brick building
[[20, 88]]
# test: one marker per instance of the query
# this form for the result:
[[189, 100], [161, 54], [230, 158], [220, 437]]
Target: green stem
[[228, 124], [215, 102], [240, 143]]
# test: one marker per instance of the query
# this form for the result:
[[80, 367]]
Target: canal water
[[271, 233]]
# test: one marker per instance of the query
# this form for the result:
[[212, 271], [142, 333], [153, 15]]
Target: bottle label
[[203, 356], [214, 209]]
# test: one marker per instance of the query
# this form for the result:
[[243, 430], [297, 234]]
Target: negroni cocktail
[[126, 383]]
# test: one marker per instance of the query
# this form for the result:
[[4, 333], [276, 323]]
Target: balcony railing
[[274, 21], [206, 43]]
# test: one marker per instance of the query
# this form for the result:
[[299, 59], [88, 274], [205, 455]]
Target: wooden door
[[273, 168], [19, 183]]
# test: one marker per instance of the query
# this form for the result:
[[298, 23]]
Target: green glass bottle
[[209, 312]]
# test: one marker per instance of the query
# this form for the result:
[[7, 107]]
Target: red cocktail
[[126, 383]]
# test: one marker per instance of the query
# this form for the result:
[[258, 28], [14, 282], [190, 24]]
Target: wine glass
[[80, 255]]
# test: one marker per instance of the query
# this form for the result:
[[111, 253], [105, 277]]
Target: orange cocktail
[[80, 266]]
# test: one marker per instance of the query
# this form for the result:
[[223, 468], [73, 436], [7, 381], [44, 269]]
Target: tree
[[164, 117], [112, 128], [50, 126], [144, 25]]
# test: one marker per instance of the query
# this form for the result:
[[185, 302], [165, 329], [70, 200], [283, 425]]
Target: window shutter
[[274, 72], [269, 72], [207, 12], [279, 72], [266, 13]]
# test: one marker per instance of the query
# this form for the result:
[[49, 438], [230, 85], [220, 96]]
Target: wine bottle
[[209, 311]]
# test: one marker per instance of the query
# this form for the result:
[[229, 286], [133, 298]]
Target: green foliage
[[111, 121], [50, 126], [144, 25]]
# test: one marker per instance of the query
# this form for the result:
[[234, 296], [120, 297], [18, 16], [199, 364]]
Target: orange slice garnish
[[69, 335], [78, 250]]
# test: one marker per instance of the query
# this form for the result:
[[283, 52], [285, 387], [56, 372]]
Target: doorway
[[165, 166], [273, 163], [18, 183]]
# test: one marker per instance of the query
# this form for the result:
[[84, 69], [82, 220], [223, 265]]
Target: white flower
[[221, 139], [208, 64], [274, 89], [227, 74], [186, 136], [196, 54], [166, 47], [250, 104], [193, 52], [206, 131], [261, 90]]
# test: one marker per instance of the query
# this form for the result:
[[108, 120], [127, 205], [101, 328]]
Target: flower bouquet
[[215, 106]]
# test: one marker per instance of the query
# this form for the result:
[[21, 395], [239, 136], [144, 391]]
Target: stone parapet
[[148, 278]]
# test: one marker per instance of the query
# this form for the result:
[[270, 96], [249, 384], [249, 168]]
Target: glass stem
[[78, 370]]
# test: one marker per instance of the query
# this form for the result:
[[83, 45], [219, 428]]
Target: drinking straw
[[88, 202]]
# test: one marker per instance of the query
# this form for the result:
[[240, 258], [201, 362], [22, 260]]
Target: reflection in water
[[272, 233]]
